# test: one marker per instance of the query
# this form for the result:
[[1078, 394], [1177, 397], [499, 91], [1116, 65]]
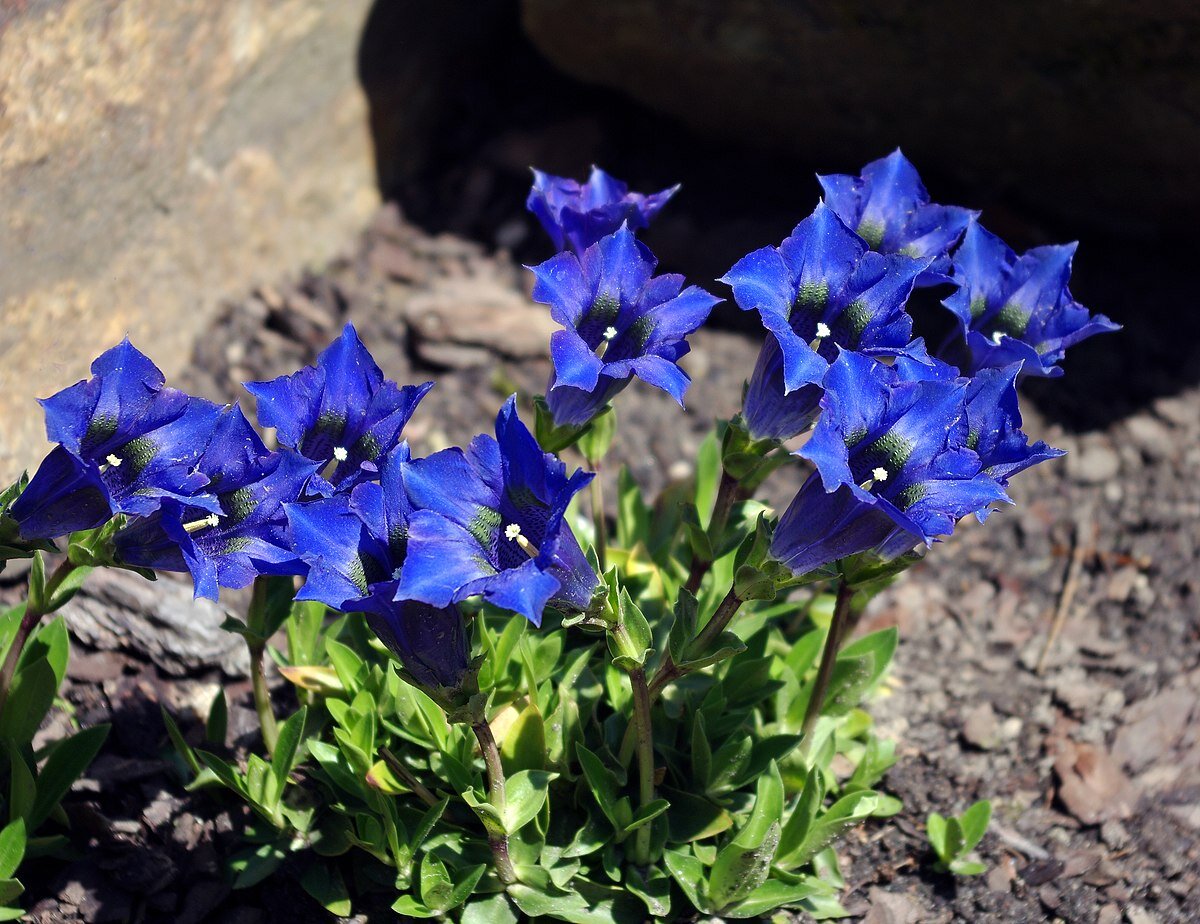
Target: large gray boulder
[[1090, 109]]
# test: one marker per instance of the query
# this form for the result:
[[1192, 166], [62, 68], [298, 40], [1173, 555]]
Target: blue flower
[[1017, 309], [885, 445], [819, 291], [889, 208], [241, 531], [580, 215], [618, 321], [353, 546], [491, 522], [126, 442], [341, 410]]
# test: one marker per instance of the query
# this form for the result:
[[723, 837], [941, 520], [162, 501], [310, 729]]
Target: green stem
[[728, 493], [33, 615], [839, 627], [497, 839], [419, 789], [644, 731], [668, 671], [598, 521], [262, 695]]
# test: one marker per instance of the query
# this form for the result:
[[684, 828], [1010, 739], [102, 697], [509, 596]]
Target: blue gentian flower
[[491, 522], [581, 214], [889, 208], [892, 451], [126, 442], [1017, 309], [341, 411], [618, 321], [240, 531], [353, 546], [819, 291]]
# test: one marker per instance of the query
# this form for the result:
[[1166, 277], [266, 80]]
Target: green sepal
[[555, 438], [746, 459]]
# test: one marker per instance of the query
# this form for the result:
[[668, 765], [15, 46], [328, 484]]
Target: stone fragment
[[1091, 783]]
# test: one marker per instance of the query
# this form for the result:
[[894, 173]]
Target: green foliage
[[953, 839], [372, 775]]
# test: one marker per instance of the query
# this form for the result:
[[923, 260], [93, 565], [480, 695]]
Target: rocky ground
[[1092, 763]]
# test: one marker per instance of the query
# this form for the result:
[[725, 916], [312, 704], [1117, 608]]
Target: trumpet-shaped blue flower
[[1014, 309], [491, 522], [243, 531], [820, 291], [893, 453], [580, 214], [342, 410], [353, 546], [618, 320], [126, 442], [889, 208]]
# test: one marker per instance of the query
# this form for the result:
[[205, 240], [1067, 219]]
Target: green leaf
[[37, 584], [633, 516], [744, 863], [217, 725], [286, 748], [564, 906], [345, 662], [181, 746], [324, 882], [688, 873], [12, 847], [252, 866], [601, 780], [29, 699], [708, 474], [493, 910], [967, 867], [524, 744], [67, 761], [974, 822], [803, 815], [774, 894], [52, 643], [436, 887], [881, 644], [702, 756], [647, 813], [524, 794], [846, 813], [270, 604], [654, 891], [408, 906], [23, 787], [693, 818], [935, 830], [9, 890], [466, 885]]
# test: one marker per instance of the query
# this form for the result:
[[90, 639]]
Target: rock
[[158, 620], [1153, 726], [1095, 463], [891, 908], [481, 316], [155, 157], [981, 728], [1091, 783], [1135, 914], [1082, 97]]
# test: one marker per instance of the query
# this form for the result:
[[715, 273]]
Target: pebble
[[1095, 463]]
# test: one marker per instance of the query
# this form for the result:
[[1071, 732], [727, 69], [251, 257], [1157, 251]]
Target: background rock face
[[156, 156], [1091, 109]]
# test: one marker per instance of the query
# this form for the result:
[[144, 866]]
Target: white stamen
[[823, 330], [114, 460], [513, 532], [879, 473], [339, 453], [996, 337], [209, 521], [610, 333]]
